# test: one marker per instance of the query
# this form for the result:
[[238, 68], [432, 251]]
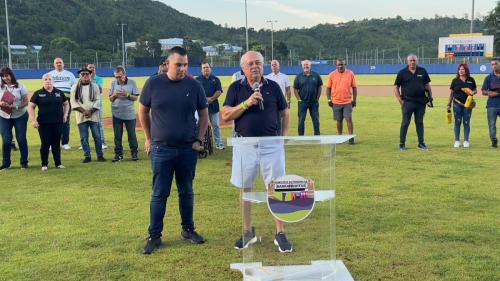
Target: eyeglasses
[[118, 77], [340, 64], [84, 74]]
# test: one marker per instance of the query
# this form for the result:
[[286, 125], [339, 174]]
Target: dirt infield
[[368, 91]]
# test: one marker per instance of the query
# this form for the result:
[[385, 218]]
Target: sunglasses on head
[[84, 73]]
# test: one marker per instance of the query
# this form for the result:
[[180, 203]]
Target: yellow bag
[[468, 102]]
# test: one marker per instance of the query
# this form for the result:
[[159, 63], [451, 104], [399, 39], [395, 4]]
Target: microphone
[[256, 88]]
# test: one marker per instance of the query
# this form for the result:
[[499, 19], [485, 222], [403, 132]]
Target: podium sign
[[290, 181]]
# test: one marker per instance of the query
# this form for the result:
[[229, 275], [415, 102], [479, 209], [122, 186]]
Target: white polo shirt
[[281, 79]]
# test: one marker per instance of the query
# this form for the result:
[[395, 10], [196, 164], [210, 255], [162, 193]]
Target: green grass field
[[416, 215]]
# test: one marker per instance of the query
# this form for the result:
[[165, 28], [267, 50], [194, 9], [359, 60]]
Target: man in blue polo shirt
[[415, 93], [307, 89], [255, 114], [167, 106], [213, 89], [491, 88]]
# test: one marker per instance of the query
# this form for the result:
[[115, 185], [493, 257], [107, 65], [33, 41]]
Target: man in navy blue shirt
[[415, 93], [167, 106], [254, 103], [213, 89], [491, 88], [307, 90]]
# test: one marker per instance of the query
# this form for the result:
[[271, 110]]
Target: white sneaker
[[61, 167], [66, 147], [466, 144], [104, 146], [44, 168], [457, 144]]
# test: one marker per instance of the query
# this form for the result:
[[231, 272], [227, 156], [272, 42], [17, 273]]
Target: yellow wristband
[[243, 105]]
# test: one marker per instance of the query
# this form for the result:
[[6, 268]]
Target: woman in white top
[[13, 114]]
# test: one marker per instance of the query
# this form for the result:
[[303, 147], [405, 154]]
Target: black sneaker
[[24, 166], [494, 144], [351, 141], [87, 160], [117, 158], [101, 159], [135, 157], [193, 236], [13, 146], [422, 146], [4, 167], [402, 147], [281, 241], [246, 240], [151, 245]]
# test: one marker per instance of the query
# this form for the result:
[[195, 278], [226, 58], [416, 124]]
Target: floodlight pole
[[246, 23], [472, 18], [8, 35], [272, 37]]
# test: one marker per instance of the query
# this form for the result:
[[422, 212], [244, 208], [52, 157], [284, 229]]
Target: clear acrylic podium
[[298, 190]]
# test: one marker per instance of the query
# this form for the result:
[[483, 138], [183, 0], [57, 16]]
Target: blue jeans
[[20, 124], [214, 119], [65, 130], [165, 162], [101, 128], [132, 138], [493, 114], [313, 112], [462, 114], [83, 128]]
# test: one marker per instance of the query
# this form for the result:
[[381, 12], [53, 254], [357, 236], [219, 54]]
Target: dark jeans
[[462, 114], [409, 108], [166, 162], [20, 124], [50, 136], [313, 112], [132, 138], [84, 137], [65, 130], [493, 114]]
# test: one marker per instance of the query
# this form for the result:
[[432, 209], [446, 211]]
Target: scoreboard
[[466, 45], [464, 50]]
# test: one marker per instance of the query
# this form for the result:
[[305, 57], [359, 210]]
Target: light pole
[[246, 23], [8, 35], [123, 45], [472, 18], [272, 37]]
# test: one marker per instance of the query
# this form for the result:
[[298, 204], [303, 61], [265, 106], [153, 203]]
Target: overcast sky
[[300, 13]]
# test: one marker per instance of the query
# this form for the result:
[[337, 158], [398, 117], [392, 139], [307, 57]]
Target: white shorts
[[249, 159]]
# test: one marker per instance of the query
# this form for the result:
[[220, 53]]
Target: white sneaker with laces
[[457, 144], [44, 168], [66, 147], [466, 144]]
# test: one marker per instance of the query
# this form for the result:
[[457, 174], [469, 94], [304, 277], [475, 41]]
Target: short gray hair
[[412, 56], [245, 55], [46, 75]]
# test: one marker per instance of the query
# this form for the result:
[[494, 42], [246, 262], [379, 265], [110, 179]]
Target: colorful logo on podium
[[290, 198]]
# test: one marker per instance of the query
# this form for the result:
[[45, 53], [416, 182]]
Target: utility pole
[[272, 37], [8, 35], [123, 45]]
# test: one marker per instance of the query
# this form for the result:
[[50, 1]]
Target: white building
[[167, 44]]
